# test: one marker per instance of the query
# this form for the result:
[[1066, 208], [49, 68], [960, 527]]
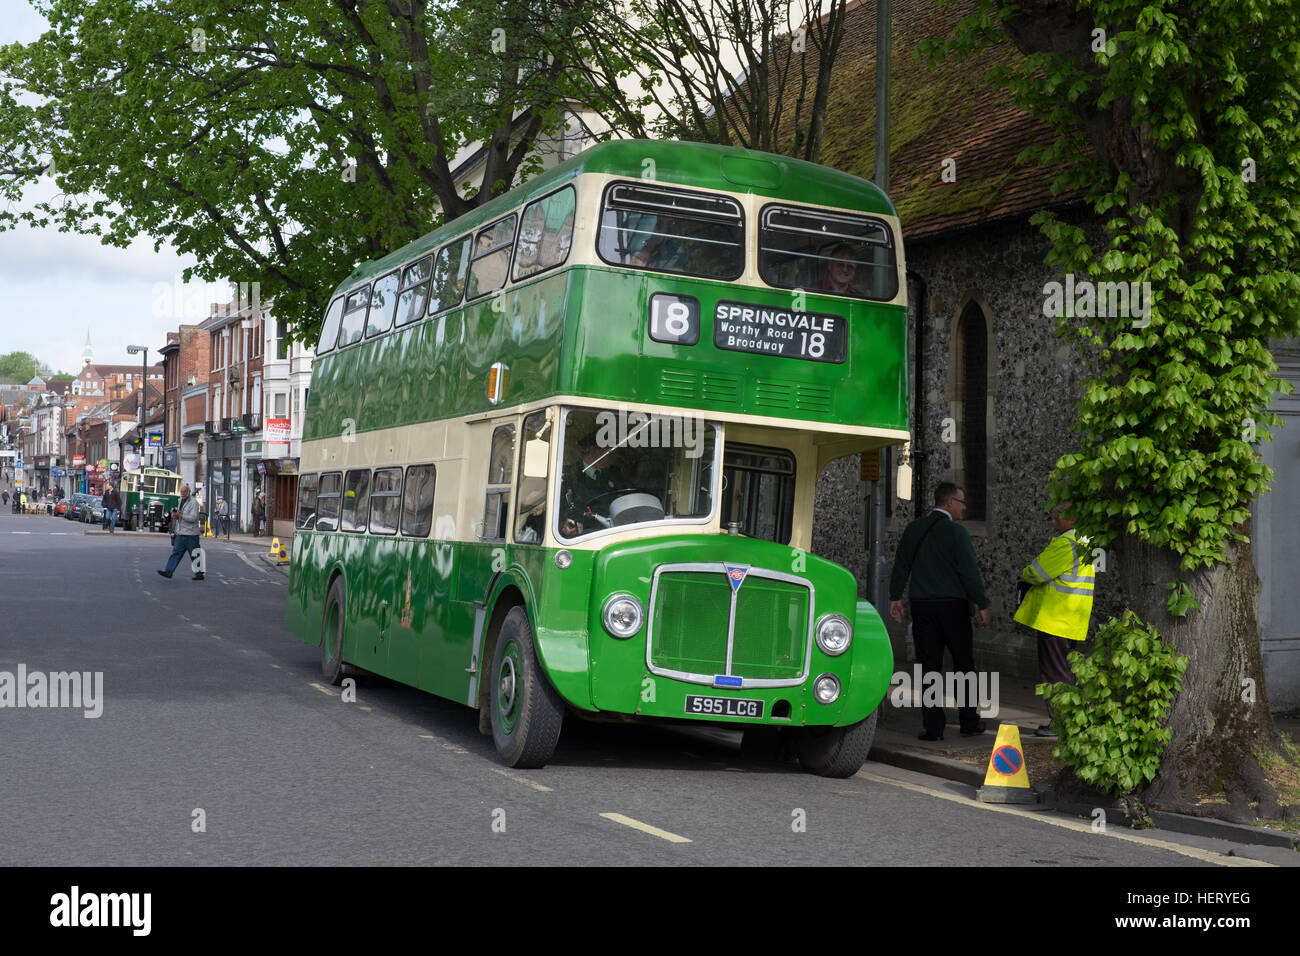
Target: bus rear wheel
[[331, 638], [526, 711], [836, 751]]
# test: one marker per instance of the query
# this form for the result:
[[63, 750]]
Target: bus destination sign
[[768, 330]]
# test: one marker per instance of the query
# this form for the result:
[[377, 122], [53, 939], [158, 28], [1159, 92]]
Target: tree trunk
[[1220, 716]]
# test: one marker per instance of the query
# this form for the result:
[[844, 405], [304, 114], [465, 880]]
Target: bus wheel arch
[[333, 627], [525, 712]]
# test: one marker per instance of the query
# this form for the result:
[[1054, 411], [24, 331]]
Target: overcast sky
[[55, 286]]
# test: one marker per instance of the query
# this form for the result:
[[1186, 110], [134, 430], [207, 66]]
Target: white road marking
[[249, 561], [645, 828], [522, 779], [58, 532], [20, 532], [1077, 825]]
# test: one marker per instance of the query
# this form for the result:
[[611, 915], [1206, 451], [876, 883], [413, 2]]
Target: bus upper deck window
[[415, 291], [354, 316], [654, 227], [329, 332], [383, 302], [491, 260], [450, 268], [546, 233], [826, 252]]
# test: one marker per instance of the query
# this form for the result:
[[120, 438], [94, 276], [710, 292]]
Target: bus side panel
[[873, 664], [441, 635], [308, 577], [560, 624]]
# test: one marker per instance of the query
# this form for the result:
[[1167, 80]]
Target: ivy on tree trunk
[[1181, 120]]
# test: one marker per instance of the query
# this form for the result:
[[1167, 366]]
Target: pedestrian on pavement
[[223, 516], [936, 554], [1058, 605], [185, 520], [112, 505], [6, 497], [259, 511]]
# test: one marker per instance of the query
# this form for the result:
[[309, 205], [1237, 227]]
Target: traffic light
[[137, 441]]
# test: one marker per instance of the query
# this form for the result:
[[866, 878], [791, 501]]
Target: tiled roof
[[945, 111]]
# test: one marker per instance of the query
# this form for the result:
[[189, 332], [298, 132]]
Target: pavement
[[965, 759]]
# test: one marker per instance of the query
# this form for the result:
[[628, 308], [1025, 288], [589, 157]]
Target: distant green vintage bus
[[148, 497], [560, 454]]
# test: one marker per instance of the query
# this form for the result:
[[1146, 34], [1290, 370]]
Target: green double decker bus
[[560, 454], [148, 497]]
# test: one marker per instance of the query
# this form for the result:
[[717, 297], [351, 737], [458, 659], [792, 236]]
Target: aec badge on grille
[[736, 575]]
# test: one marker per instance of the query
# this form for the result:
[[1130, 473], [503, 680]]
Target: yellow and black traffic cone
[[1007, 778]]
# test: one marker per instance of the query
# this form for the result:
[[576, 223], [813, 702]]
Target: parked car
[[92, 511], [75, 504], [61, 508]]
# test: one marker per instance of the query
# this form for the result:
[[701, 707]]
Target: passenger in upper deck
[[841, 270]]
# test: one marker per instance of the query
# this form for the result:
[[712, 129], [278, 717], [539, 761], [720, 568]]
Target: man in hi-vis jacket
[[1059, 603]]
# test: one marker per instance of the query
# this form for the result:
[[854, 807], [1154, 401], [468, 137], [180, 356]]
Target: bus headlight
[[563, 559], [827, 689], [834, 634], [622, 615]]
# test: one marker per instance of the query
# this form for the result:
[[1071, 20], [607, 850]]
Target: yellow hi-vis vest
[[1060, 601]]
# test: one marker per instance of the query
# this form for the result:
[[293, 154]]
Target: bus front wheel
[[836, 751], [526, 711], [331, 638]]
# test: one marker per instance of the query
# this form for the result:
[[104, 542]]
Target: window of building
[[417, 501], [414, 294], [545, 233], [450, 268], [491, 260], [646, 226], [972, 394], [281, 340], [496, 511], [279, 403], [386, 501], [356, 500]]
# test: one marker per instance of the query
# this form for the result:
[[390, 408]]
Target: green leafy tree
[[1181, 120], [752, 73], [278, 143], [20, 366]]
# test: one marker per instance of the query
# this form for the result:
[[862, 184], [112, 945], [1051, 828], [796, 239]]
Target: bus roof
[[701, 165]]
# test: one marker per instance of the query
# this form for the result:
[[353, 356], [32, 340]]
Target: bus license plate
[[724, 706]]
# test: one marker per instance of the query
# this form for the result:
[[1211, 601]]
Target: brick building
[[233, 439], [187, 370]]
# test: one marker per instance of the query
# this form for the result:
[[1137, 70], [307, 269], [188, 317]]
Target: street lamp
[[144, 378]]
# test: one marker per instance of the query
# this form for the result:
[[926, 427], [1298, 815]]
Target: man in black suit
[[935, 552]]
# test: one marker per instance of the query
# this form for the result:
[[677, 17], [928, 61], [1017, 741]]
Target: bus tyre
[[836, 751], [331, 638], [526, 710]]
